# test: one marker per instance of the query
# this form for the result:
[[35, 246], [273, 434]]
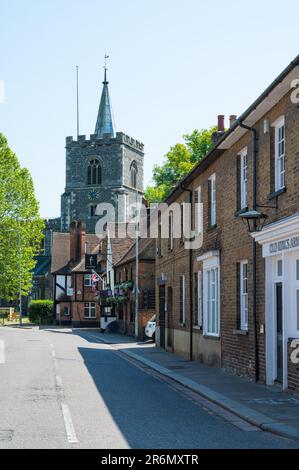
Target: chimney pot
[[220, 123], [232, 119]]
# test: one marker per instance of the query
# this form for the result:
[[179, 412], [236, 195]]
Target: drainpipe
[[254, 300], [190, 276]]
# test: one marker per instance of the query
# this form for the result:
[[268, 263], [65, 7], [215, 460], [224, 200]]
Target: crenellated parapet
[[108, 139]]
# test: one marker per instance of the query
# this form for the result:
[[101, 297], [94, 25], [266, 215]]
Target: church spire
[[105, 123]]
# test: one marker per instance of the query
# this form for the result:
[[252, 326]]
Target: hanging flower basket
[[128, 285]]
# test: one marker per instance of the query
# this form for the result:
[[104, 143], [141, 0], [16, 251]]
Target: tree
[[19, 214], [178, 162]]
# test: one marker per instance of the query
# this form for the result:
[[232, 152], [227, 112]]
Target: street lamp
[[255, 220]]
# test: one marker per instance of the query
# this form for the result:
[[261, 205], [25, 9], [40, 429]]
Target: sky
[[174, 66]]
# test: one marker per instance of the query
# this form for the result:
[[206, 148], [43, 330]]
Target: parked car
[[150, 329]]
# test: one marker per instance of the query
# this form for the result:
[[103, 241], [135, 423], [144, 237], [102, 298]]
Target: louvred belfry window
[[94, 173]]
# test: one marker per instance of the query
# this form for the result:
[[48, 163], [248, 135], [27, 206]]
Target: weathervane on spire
[[105, 68]]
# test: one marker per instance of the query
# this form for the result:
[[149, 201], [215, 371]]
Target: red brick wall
[[230, 237]]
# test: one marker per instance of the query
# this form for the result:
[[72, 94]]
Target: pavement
[[64, 389], [268, 408]]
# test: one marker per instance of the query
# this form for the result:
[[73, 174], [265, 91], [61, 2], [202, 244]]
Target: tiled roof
[[60, 250], [61, 253], [145, 245], [119, 247], [42, 266]]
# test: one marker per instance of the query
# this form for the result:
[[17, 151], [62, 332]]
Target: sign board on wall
[[281, 246], [91, 262]]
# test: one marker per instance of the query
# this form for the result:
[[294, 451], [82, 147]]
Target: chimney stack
[[232, 119], [220, 123], [77, 240]]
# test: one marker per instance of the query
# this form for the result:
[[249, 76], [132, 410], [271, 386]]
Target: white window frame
[[244, 296], [213, 200], [183, 320], [244, 177], [211, 297], [279, 154], [90, 308], [87, 277], [170, 230], [198, 213], [199, 298]]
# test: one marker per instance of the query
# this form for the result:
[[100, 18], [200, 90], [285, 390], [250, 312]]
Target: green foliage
[[3, 317], [178, 162], [41, 311], [19, 214]]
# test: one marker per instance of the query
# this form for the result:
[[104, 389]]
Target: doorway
[[279, 332], [162, 315]]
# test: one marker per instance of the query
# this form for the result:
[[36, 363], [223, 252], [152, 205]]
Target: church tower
[[107, 167]]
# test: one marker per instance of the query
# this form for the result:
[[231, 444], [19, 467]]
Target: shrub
[[3, 317], [41, 312]]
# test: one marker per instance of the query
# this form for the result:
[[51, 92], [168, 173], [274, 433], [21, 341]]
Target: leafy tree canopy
[[19, 214], [179, 161]]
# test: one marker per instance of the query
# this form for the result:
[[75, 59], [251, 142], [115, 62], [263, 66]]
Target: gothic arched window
[[133, 173], [94, 173]]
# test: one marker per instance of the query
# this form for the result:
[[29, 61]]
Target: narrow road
[[68, 390]]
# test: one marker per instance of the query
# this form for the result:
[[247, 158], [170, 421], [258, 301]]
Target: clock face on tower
[[93, 194]]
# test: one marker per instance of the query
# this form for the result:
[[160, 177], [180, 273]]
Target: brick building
[[125, 272], [233, 300], [74, 298]]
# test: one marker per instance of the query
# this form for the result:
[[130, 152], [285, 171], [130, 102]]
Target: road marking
[[52, 350], [69, 427], [58, 381], [68, 422], [2, 352]]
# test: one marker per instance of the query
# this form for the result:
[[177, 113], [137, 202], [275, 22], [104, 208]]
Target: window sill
[[241, 211], [211, 337], [90, 318], [276, 193], [212, 227], [197, 328], [240, 332]]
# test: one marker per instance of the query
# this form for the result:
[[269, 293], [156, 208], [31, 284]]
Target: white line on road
[[58, 381], [2, 352], [68, 422], [69, 427]]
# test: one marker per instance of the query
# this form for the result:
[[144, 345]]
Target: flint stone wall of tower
[[115, 154]]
